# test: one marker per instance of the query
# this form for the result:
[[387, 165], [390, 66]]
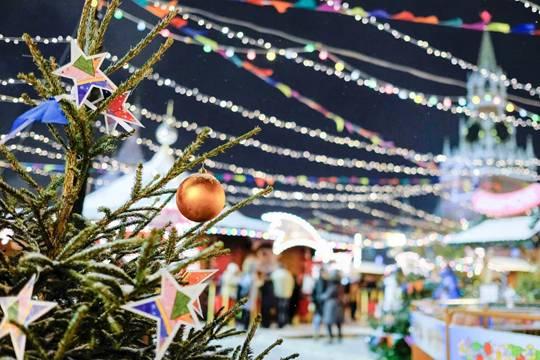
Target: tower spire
[[486, 56]]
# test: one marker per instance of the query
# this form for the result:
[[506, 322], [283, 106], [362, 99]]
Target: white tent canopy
[[497, 230]]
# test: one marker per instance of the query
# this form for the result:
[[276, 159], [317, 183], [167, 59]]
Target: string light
[[339, 162], [338, 206], [454, 60], [317, 158], [530, 5], [331, 197], [38, 39], [441, 103]]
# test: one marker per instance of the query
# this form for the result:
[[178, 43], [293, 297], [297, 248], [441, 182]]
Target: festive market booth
[[497, 324]]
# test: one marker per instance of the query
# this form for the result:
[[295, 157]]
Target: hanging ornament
[[46, 112], [118, 114], [194, 277], [200, 197], [173, 307], [86, 74], [22, 310]]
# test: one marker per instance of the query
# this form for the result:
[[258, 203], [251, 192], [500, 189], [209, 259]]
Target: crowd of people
[[277, 294]]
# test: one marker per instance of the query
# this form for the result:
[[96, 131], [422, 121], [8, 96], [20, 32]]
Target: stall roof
[[497, 230]]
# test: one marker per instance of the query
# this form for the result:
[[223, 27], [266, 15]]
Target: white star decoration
[[24, 311]]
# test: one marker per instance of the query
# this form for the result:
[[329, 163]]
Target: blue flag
[[47, 112]]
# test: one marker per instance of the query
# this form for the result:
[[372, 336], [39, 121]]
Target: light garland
[[295, 154], [514, 83], [38, 39], [447, 103], [530, 5], [287, 152], [350, 206], [331, 197], [291, 153]]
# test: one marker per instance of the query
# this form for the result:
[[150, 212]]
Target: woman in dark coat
[[332, 310]]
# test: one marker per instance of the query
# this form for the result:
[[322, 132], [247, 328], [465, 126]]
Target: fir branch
[[17, 166], [21, 195], [244, 352], [109, 269], [173, 238], [143, 43], [266, 351], [70, 332], [82, 29], [55, 88], [137, 186], [97, 249], [136, 78], [33, 81], [144, 258], [97, 41]]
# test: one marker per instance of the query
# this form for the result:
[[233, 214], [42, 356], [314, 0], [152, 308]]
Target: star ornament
[[172, 308], [85, 72], [117, 114], [195, 277], [22, 310]]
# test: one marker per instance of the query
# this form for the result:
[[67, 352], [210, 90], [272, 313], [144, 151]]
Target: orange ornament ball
[[200, 197]]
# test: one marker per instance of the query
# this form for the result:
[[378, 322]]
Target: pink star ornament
[[24, 311], [86, 74], [172, 308]]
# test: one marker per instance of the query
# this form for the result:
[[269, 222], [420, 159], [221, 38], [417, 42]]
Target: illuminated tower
[[487, 150]]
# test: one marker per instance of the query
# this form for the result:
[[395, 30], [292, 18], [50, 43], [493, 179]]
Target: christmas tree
[[75, 289]]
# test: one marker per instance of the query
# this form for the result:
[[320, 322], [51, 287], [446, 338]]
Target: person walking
[[333, 305], [248, 287], [268, 302], [229, 285], [317, 298], [283, 282]]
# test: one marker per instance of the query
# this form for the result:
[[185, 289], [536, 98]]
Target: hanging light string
[[530, 5], [344, 9], [351, 163], [502, 166], [387, 149], [376, 213], [316, 158], [421, 99], [454, 104], [332, 197], [514, 83], [107, 162], [329, 52], [308, 48], [38, 39]]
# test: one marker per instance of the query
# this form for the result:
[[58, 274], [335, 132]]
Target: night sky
[[408, 125]]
